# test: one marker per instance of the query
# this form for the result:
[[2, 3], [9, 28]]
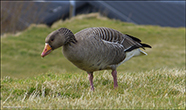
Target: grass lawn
[[153, 81]]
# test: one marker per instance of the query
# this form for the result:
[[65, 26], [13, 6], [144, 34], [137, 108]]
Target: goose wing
[[128, 42]]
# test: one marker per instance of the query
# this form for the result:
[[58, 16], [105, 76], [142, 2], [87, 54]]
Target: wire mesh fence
[[17, 16]]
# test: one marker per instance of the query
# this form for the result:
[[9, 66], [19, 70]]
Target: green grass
[[152, 81], [158, 89]]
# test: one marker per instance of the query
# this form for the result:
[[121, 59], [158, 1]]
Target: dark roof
[[148, 13], [164, 13]]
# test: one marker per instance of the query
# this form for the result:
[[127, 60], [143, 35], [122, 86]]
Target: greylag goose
[[96, 48]]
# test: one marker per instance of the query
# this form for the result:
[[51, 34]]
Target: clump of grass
[[158, 89]]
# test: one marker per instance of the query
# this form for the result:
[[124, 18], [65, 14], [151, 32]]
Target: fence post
[[72, 9]]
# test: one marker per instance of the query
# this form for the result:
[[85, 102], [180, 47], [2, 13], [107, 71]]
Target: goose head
[[56, 39]]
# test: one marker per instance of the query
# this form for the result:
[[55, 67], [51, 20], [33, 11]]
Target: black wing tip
[[135, 47], [134, 38], [146, 45]]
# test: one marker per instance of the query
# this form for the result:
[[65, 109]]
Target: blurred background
[[17, 16]]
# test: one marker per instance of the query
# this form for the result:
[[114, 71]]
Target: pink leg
[[114, 74], [90, 76]]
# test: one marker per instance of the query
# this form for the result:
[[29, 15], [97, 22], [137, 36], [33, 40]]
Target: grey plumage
[[96, 48], [102, 47]]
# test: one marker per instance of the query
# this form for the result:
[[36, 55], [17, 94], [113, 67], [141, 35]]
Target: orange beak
[[46, 50]]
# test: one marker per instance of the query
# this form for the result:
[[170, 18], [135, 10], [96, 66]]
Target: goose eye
[[52, 40]]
